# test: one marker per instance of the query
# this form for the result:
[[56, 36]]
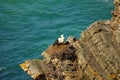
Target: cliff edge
[[95, 56]]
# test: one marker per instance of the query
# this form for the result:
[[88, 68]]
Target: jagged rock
[[63, 63], [100, 51], [35, 68], [95, 56]]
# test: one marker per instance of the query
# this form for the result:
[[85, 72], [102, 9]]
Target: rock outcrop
[[95, 56]]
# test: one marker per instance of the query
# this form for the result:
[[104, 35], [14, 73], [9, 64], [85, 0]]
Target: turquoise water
[[28, 27]]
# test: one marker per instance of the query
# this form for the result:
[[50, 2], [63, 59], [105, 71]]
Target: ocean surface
[[28, 27]]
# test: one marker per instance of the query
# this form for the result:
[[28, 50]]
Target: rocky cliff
[[95, 56]]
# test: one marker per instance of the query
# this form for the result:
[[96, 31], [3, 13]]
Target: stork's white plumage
[[61, 39]]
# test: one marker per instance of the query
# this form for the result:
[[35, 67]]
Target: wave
[[2, 68], [108, 1]]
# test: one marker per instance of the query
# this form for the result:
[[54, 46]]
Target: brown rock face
[[35, 68], [99, 49], [95, 56]]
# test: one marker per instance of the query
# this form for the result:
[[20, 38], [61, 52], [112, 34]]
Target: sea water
[[28, 27]]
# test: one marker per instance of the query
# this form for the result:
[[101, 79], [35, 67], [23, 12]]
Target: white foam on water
[[108, 2], [2, 68]]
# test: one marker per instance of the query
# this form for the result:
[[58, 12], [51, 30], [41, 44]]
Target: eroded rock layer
[[100, 51]]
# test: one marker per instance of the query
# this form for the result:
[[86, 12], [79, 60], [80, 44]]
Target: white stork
[[61, 39]]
